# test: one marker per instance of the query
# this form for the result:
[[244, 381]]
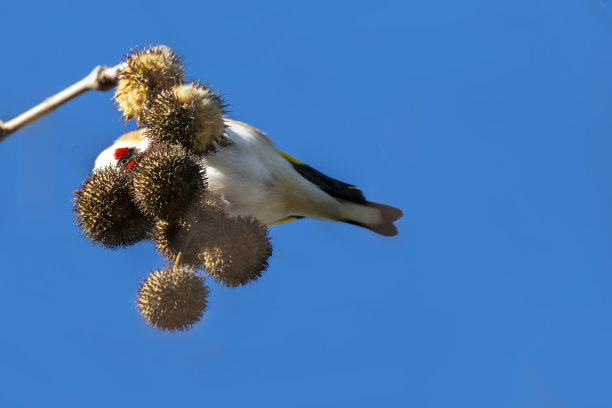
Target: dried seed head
[[190, 115], [173, 298], [239, 252], [168, 121], [210, 107], [105, 212], [147, 72], [190, 234], [170, 238], [166, 180]]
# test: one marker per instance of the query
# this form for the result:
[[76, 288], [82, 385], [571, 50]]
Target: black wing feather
[[333, 187]]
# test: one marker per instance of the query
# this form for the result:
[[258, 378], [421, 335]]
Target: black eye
[[127, 157]]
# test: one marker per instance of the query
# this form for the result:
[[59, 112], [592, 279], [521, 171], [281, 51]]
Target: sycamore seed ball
[[234, 250], [166, 181], [147, 72], [173, 298], [239, 252], [190, 115], [190, 234], [210, 107], [168, 121], [105, 212]]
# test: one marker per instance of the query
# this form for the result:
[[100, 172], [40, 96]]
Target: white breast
[[250, 174]]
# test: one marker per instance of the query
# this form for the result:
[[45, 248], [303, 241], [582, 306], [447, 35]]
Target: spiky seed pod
[[239, 252], [105, 212], [166, 181], [173, 298], [190, 115], [210, 108], [168, 121], [170, 238], [189, 235], [234, 250], [146, 72]]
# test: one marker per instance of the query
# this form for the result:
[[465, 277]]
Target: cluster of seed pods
[[161, 194]]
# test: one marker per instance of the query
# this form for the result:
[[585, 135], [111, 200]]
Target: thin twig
[[178, 259], [102, 78], [185, 246]]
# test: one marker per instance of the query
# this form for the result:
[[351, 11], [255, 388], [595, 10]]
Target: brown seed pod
[[173, 298], [239, 251], [166, 181], [146, 72], [190, 115], [105, 212], [170, 238], [189, 234]]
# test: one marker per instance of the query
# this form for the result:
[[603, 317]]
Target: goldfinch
[[252, 177]]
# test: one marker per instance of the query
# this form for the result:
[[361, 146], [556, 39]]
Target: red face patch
[[131, 164], [120, 152]]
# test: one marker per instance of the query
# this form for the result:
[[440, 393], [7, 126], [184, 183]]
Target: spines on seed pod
[[146, 73], [173, 298], [234, 250], [189, 234], [190, 115], [239, 252], [105, 212], [166, 181]]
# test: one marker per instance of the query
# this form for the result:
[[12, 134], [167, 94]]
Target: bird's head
[[123, 153]]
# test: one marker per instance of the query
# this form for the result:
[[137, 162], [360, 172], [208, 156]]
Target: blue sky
[[488, 123]]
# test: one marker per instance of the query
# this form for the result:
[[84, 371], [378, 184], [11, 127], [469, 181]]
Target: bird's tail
[[373, 216], [353, 209]]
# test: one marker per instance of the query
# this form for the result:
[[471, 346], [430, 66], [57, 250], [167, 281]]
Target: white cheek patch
[[106, 158]]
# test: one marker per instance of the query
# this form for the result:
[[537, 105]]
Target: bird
[[251, 177]]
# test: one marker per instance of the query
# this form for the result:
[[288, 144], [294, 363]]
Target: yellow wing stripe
[[282, 221], [290, 158]]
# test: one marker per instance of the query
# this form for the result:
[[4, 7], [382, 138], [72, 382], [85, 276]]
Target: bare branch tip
[[106, 77]]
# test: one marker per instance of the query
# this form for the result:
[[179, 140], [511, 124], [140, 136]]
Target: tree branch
[[102, 78]]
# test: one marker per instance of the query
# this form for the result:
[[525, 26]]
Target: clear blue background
[[489, 123]]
